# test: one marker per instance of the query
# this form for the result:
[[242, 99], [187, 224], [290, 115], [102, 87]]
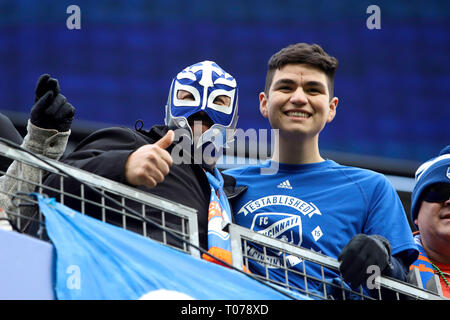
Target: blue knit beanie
[[435, 170]]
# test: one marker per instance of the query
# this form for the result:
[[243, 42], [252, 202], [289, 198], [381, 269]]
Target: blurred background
[[393, 83]]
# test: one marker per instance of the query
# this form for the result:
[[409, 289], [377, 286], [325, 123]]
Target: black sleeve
[[9, 132], [232, 192], [398, 268], [105, 152]]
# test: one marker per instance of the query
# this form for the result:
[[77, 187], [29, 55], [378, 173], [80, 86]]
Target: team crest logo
[[448, 172], [283, 226]]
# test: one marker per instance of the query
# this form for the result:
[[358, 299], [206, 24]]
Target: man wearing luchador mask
[[201, 117]]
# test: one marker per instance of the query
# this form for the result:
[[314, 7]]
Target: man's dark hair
[[303, 53]]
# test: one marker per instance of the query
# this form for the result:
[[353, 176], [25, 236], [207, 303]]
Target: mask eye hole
[[222, 100], [185, 95]]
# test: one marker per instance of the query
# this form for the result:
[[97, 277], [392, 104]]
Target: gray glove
[[51, 109]]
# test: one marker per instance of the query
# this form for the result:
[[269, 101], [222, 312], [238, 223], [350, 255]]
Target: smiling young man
[[430, 211], [344, 212]]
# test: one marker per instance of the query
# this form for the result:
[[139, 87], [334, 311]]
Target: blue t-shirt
[[319, 206]]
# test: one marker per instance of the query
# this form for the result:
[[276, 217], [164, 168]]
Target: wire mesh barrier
[[109, 202], [315, 275], [159, 219]]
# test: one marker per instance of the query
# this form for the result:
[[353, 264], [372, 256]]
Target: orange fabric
[[214, 210], [422, 267], [423, 258], [221, 254]]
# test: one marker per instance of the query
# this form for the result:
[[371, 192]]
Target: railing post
[[434, 285], [236, 245]]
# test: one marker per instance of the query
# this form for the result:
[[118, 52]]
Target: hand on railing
[[361, 252], [239, 235]]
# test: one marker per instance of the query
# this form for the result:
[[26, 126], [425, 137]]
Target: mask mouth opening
[[200, 116]]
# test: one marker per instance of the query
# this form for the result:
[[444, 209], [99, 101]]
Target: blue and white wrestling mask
[[205, 82]]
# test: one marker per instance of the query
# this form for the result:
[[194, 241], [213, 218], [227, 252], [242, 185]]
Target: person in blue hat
[[430, 212]]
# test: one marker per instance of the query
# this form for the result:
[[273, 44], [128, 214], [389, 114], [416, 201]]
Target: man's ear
[[332, 111], [263, 104]]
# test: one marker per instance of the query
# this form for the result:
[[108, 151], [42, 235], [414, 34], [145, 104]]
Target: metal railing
[[26, 217], [244, 244]]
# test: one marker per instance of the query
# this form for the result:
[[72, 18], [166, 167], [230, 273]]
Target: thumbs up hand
[[149, 164]]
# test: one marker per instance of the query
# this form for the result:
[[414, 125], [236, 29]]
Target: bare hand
[[148, 165]]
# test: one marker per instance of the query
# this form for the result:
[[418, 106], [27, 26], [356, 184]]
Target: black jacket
[[105, 153], [9, 132]]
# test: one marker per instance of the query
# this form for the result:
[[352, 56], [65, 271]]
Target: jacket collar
[[230, 188]]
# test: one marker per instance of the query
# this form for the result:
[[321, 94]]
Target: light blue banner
[[96, 260]]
